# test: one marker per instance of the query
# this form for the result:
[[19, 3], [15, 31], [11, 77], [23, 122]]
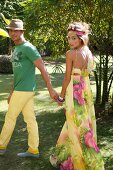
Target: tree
[[10, 9]]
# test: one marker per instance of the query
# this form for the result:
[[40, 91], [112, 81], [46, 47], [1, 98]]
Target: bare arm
[[41, 66]]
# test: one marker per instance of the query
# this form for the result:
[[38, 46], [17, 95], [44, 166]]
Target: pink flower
[[67, 164], [80, 33], [89, 140], [82, 83], [76, 87], [78, 91], [78, 97]]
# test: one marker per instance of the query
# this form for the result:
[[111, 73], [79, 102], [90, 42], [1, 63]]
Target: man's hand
[[53, 95], [9, 97]]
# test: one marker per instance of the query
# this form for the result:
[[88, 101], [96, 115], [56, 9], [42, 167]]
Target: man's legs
[[32, 127], [17, 103]]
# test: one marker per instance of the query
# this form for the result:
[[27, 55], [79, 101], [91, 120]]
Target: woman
[[76, 147]]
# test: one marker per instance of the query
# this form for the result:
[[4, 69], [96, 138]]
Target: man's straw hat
[[15, 24]]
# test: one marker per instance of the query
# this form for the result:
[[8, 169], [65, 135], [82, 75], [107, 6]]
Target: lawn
[[50, 118]]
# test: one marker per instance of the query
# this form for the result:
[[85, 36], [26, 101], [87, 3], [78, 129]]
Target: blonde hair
[[82, 30]]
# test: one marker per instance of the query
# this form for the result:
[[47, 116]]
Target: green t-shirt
[[23, 68]]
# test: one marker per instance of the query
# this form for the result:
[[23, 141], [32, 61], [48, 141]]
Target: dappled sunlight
[[4, 94], [3, 106], [45, 103]]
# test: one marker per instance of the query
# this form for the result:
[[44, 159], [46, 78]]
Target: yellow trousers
[[21, 102]]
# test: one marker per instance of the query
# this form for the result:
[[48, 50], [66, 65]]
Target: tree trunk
[[98, 79], [98, 89], [105, 82]]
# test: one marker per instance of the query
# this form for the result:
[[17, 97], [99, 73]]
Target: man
[[25, 58]]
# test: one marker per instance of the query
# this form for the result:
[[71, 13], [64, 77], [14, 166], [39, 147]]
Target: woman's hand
[[59, 103], [60, 100]]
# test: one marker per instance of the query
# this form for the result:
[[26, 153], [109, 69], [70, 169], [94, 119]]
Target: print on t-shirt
[[16, 58]]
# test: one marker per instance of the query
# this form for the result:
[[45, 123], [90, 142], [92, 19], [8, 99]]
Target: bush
[[5, 64]]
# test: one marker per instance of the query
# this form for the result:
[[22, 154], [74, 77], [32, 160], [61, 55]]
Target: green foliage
[[10, 9], [3, 32], [49, 22], [5, 64]]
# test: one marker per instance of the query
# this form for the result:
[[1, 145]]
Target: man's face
[[15, 35]]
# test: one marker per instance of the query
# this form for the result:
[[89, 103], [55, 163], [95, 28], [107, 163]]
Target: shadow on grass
[[105, 139], [5, 82]]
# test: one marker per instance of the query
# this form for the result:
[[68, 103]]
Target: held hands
[[54, 95], [60, 100]]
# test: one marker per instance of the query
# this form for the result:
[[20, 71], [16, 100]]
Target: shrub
[[5, 64]]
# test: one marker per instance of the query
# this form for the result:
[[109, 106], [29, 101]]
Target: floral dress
[[76, 147]]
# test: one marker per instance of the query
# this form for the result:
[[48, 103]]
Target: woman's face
[[73, 40]]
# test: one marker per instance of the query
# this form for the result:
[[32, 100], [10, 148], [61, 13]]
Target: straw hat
[[15, 24]]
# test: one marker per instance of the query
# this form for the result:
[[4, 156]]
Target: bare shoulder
[[71, 53]]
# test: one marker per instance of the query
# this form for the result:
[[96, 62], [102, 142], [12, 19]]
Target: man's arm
[[41, 66]]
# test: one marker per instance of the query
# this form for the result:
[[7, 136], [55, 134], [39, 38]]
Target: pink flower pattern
[[89, 140], [78, 91], [67, 164]]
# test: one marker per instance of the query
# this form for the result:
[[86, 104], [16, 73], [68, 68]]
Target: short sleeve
[[32, 52]]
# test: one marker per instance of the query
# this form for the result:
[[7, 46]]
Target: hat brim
[[12, 28]]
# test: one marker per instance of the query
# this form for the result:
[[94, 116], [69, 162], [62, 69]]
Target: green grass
[[50, 119]]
